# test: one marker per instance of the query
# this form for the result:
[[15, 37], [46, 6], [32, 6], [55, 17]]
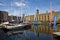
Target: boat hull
[[25, 27]]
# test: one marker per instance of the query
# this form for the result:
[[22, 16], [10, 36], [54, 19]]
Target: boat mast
[[51, 30]]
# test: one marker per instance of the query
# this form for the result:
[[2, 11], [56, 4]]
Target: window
[[48, 17]]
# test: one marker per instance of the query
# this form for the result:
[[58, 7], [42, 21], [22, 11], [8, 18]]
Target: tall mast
[[51, 30], [50, 12], [21, 10]]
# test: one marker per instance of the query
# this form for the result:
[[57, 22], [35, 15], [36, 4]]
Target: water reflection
[[30, 36], [41, 29], [42, 33]]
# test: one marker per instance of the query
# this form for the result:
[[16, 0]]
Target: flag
[[54, 24]]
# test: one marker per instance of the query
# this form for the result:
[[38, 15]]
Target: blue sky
[[28, 7]]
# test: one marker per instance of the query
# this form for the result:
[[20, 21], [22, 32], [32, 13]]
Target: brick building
[[3, 16]]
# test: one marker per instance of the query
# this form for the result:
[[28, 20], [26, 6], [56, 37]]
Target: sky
[[28, 7]]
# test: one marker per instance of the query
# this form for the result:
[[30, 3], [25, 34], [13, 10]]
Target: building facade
[[3, 16], [10, 18], [29, 18], [43, 16]]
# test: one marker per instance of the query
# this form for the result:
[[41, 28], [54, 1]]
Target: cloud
[[1, 4], [6, 10], [15, 12], [20, 4]]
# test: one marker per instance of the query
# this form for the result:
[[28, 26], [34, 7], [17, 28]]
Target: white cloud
[[1, 4], [20, 4], [15, 13], [6, 10]]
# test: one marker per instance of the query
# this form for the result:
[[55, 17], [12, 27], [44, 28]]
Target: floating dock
[[56, 35]]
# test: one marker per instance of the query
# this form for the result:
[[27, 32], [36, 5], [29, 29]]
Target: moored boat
[[16, 27]]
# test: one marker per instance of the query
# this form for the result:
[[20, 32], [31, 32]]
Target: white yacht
[[16, 27]]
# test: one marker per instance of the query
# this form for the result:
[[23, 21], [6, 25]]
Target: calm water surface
[[28, 35]]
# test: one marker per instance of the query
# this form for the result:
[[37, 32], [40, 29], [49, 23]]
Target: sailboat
[[16, 26], [35, 22]]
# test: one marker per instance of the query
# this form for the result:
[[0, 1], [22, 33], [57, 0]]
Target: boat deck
[[56, 33]]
